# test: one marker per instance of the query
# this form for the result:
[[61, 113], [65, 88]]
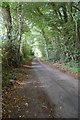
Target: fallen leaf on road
[[60, 107], [44, 106], [26, 104], [20, 116]]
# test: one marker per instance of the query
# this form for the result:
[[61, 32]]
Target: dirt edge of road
[[11, 96], [63, 69]]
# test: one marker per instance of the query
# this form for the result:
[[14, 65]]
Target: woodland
[[49, 30]]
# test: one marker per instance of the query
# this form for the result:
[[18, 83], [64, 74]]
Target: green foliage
[[73, 66], [26, 50], [7, 76], [50, 28]]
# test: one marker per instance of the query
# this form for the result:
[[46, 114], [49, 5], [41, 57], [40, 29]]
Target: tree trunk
[[71, 17], [8, 24], [46, 44], [13, 48], [8, 21], [60, 15], [20, 19], [78, 32], [78, 27], [64, 12]]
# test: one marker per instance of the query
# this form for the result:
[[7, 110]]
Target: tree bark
[[78, 27], [78, 33], [46, 44], [8, 24], [8, 21], [71, 17], [64, 12], [20, 24], [13, 48]]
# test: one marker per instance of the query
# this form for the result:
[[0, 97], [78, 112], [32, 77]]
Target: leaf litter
[[29, 102]]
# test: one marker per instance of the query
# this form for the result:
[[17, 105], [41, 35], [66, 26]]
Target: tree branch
[[76, 8]]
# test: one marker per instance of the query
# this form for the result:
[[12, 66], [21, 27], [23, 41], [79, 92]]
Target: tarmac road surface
[[61, 89]]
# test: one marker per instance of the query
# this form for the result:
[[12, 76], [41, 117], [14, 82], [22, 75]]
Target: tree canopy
[[49, 30]]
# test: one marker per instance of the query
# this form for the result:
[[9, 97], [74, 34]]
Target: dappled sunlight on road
[[61, 89]]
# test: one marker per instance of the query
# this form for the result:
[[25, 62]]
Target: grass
[[72, 66], [7, 75]]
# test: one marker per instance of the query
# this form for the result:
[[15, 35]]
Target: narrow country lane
[[61, 89], [42, 92], [39, 59]]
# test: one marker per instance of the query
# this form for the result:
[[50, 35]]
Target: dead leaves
[[20, 83], [26, 66], [44, 107], [26, 104]]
